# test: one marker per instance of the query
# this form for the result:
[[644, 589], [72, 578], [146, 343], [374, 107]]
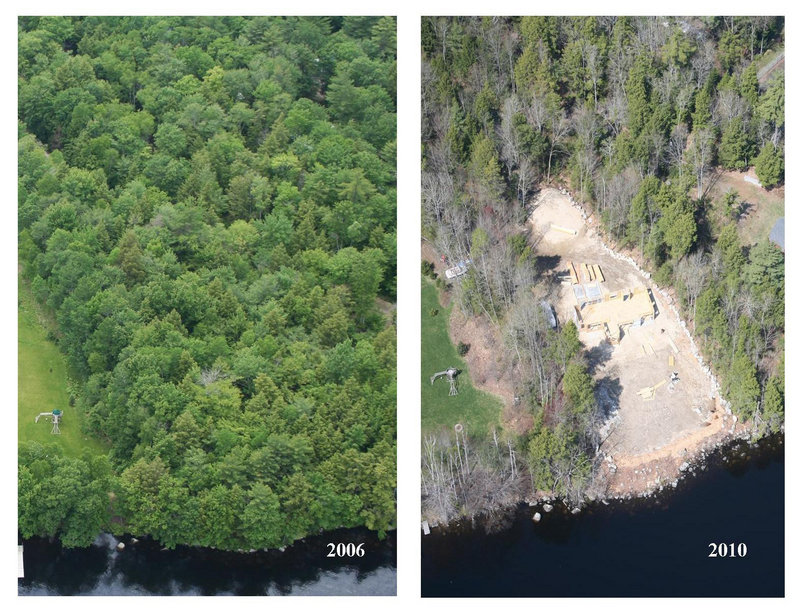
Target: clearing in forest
[[641, 420], [42, 380], [760, 208], [477, 411]]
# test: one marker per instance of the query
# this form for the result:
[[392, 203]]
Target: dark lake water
[[638, 548], [144, 569]]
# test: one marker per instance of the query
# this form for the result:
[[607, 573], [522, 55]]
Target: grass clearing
[[42, 385], [762, 207], [475, 409]]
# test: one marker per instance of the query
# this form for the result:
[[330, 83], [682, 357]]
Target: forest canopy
[[207, 207]]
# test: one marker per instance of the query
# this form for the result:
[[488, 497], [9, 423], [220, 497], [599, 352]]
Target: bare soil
[[640, 434], [488, 367]]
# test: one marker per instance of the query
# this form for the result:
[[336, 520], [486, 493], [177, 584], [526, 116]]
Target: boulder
[[120, 546], [537, 517], [547, 508]]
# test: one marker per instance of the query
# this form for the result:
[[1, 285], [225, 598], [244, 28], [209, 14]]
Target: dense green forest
[[638, 117], [207, 208]]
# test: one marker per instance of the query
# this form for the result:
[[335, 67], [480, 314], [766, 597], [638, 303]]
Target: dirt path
[[776, 63]]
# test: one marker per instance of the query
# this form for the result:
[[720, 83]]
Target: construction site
[[655, 395]]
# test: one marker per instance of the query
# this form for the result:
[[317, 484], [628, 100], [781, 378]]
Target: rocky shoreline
[[725, 452]]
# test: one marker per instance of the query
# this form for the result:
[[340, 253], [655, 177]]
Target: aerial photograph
[[207, 305], [602, 278]]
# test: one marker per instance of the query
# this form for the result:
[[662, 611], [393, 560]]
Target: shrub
[[463, 348]]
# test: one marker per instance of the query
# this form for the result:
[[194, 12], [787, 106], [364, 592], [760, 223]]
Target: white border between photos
[[408, 206]]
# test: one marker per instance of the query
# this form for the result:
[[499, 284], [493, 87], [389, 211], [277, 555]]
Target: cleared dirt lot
[[635, 427]]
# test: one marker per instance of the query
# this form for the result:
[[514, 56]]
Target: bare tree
[[594, 67], [702, 152], [728, 105], [614, 110], [682, 101], [702, 62], [652, 32], [437, 194], [526, 179], [559, 129], [536, 112], [507, 134], [441, 26], [693, 271], [676, 148], [467, 478], [525, 334], [615, 195]]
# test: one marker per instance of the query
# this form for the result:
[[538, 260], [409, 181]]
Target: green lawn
[[42, 379], [473, 408]]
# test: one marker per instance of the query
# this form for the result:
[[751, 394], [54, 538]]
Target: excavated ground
[[647, 440]]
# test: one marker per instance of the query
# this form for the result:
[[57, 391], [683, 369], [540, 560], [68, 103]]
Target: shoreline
[[112, 541], [726, 454]]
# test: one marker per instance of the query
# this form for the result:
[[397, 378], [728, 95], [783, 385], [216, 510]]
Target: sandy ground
[[639, 432]]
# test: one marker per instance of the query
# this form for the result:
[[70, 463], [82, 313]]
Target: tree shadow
[[598, 355], [607, 392], [547, 264], [743, 210]]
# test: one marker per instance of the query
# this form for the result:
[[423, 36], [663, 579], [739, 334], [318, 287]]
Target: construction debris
[[563, 229], [647, 393]]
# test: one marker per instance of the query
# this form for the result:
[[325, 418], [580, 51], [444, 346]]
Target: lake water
[[637, 548], [145, 569]]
